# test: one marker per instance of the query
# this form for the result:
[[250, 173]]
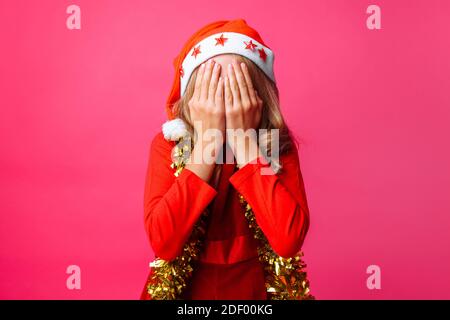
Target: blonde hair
[[271, 117]]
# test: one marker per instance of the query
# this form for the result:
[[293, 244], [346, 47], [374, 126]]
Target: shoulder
[[159, 140], [172, 131], [160, 145]]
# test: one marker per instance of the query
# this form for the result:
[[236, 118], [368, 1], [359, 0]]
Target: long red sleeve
[[172, 205], [278, 202]]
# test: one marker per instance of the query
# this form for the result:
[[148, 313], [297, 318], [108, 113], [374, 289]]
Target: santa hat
[[217, 38]]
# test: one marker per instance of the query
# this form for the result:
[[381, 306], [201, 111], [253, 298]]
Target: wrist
[[247, 153], [205, 152]]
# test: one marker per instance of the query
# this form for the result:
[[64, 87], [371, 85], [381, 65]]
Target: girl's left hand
[[243, 109], [242, 104]]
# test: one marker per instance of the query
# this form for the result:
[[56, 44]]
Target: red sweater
[[229, 267]]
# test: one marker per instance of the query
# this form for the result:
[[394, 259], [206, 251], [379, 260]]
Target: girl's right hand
[[207, 111], [207, 107]]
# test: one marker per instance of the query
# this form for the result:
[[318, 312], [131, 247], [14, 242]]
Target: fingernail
[[243, 65]]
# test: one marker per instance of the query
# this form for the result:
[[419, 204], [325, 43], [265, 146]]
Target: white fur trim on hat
[[231, 42], [174, 129]]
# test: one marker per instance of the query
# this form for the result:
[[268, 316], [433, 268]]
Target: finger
[[219, 94], [258, 99], [228, 95], [214, 81], [248, 80], [242, 84], [198, 82], [206, 79], [233, 85]]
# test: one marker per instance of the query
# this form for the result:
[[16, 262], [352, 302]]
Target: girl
[[229, 230]]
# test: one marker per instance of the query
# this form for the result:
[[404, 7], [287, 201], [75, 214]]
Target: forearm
[[170, 216], [278, 202]]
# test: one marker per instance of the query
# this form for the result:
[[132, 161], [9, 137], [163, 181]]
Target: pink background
[[80, 107]]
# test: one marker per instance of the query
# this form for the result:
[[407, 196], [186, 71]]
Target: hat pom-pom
[[174, 130]]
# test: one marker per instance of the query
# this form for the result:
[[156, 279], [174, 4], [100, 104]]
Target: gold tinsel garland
[[285, 277]]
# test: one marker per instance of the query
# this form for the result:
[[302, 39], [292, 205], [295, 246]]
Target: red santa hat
[[217, 38]]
